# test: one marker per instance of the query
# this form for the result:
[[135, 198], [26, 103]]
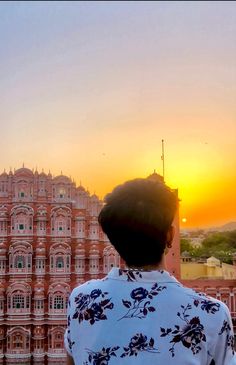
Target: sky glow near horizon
[[91, 88]]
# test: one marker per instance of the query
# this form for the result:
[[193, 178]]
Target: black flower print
[[139, 294], [191, 334], [207, 305], [140, 306], [90, 310], [229, 336], [132, 275], [70, 343], [139, 343], [102, 357]]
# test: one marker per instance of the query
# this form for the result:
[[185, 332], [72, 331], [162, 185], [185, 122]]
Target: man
[[143, 315]]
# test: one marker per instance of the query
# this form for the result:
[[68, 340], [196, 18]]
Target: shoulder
[[87, 287], [207, 304]]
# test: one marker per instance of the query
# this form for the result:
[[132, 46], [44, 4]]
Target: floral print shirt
[[146, 317]]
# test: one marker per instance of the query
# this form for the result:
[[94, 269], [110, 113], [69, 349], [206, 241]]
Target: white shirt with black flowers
[[146, 318]]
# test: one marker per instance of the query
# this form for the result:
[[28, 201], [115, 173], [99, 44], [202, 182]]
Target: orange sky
[[92, 88]]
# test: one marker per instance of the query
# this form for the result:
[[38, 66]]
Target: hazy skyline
[[91, 88]]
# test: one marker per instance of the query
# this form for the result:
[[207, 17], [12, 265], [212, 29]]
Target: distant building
[[211, 269]]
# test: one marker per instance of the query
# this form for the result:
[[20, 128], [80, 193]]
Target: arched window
[[41, 220], [95, 206], [22, 220], [20, 257], [61, 188], [110, 259], [59, 302], [18, 298], [18, 340], [80, 265], [58, 297], [61, 221], [56, 340], [18, 301], [80, 226], [60, 258], [23, 190], [3, 221], [94, 229]]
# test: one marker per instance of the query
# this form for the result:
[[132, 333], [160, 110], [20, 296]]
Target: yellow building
[[211, 269]]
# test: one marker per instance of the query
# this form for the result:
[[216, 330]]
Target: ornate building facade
[[50, 241]]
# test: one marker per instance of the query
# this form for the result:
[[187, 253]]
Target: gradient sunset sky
[[91, 88]]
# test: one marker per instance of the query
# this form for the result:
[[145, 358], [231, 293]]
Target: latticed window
[[27, 302], [18, 301], [58, 302], [19, 262], [42, 226], [18, 341], [1, 304], [40, 264], [59, 262], [58, 340], [2, 264], [38, 304]]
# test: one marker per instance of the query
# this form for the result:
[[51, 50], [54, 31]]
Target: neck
[[159, 266]]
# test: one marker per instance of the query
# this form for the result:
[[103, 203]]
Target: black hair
[[136, 217]]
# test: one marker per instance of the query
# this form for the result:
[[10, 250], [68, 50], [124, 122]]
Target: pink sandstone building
[[50, 241]]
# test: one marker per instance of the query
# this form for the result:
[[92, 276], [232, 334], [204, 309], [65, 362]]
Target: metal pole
[[163, 159]]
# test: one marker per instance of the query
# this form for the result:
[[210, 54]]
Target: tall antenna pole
[[163, 159]]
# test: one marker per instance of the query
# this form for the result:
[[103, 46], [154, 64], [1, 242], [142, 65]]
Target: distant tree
[[220, 245], [185, 245]]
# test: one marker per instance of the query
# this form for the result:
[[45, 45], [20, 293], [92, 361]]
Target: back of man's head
[[136, 218]]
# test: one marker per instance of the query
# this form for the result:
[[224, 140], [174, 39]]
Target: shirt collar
[[160, 276]]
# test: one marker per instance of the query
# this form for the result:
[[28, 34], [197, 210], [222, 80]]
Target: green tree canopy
[[218, 244]]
